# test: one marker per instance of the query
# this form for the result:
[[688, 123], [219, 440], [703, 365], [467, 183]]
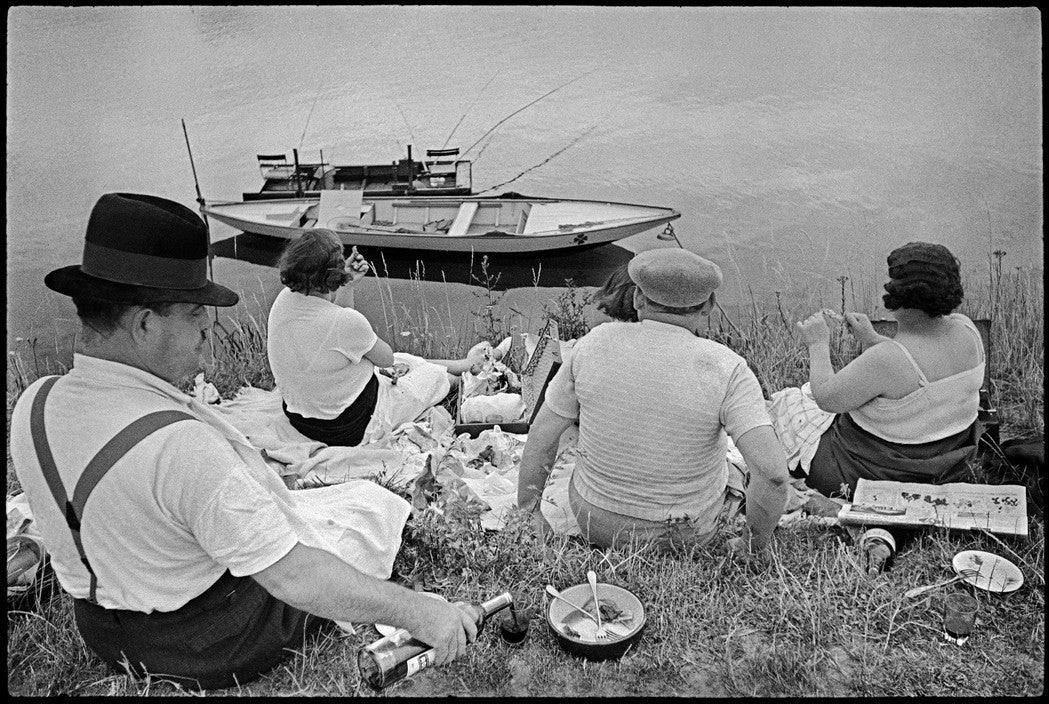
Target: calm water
[[798, 144]]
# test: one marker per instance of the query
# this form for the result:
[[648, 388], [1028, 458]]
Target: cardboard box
[[535, 375]]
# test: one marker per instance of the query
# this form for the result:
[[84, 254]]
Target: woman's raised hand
[[862, 329], [814, 329], [356, 266]]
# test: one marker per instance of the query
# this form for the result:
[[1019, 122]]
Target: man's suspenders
[[101, 463]]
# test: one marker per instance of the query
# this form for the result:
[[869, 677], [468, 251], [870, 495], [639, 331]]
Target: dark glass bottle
[[399, 655], [879, 547]]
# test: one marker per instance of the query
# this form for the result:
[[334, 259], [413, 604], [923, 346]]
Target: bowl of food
[[621, 613]]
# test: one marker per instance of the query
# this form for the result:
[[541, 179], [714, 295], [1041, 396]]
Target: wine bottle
[[879, 547], [399, 655]]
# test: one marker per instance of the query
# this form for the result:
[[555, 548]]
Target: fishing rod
[[480, 152], [308, 116], [560, 151], [410, 133], [298, 176], [463, 117], [200, 198], [493, 128], [207, 227]]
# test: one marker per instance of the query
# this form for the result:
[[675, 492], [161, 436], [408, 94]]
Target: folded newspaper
[[997, 509]]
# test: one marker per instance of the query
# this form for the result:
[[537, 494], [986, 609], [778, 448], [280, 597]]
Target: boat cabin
[[440, 173]]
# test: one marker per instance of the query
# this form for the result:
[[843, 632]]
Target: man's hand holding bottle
[[447, 628]]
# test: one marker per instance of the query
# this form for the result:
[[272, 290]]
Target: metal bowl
[[593, 649]]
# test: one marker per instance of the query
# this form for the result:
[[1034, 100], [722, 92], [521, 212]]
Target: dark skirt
[[347, 429], [847, 453], [230, 634]]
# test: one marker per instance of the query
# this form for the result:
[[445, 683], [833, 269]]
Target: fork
[[602, 632], [918, 591], [552, 591]]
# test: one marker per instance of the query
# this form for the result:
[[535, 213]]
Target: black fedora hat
[[142, 249]]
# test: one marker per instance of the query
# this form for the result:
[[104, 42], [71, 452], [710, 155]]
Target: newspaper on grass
[[997, 509]]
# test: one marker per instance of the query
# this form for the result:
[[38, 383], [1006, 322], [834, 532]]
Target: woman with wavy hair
[[907, 405], [326, 358], [616, 298]]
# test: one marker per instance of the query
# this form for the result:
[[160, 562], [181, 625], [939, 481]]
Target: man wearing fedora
[[654, 401], [168, 529]]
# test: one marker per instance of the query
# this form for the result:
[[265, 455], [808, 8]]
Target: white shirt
[[316, 352], [654, 403], [182, 506]]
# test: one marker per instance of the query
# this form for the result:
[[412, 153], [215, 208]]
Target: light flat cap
[[674, 277]]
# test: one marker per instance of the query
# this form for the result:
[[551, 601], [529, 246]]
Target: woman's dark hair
[[925, 277], [313, 262], [104, 316], [616, 297]]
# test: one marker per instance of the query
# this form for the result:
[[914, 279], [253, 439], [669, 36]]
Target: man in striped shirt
[[654, 402]]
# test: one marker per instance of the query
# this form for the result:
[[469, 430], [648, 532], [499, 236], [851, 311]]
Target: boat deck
[[374, 180]]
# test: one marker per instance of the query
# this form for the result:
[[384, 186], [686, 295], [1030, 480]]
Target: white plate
[[385, 630], [995, 573]]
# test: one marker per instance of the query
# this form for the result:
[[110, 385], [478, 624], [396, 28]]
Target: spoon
[[552, 591], [918, 591], [602, 632]]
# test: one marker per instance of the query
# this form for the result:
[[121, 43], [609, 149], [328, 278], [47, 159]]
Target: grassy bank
[[808, 622]]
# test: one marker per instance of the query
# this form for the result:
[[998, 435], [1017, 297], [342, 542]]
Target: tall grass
[[1014, 300], [414, 322]]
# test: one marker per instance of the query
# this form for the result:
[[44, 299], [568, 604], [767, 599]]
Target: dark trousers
[[230, 634], [347, 429]]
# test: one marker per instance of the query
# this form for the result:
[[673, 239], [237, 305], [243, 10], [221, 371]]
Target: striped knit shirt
[[654, 403]]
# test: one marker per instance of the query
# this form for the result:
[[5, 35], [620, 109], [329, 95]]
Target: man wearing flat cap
[[165, 525], [654, 402]]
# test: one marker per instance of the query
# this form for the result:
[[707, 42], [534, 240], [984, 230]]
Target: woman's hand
[[814, 329], [476, 362], [862, 330], [356, 267]]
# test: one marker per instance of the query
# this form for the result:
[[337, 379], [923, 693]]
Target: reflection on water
[[584, 267]]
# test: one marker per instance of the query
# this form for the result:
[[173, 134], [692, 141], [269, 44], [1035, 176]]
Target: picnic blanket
[[486, 468], [483, 470]]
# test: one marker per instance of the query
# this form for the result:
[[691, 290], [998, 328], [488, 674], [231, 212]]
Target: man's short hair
[[687, 310], [104, 316]]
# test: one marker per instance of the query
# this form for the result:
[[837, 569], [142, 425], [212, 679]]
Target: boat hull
[[565, 238]]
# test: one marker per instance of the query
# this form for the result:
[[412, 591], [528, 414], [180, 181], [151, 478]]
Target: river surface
[[799, 144]]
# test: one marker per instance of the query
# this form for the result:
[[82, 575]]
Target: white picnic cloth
[[400, 454]]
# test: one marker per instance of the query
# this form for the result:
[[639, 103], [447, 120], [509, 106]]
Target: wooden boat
[[442, 172], [509, 223]]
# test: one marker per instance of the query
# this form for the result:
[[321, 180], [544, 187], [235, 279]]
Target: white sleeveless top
[[933, 411]]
